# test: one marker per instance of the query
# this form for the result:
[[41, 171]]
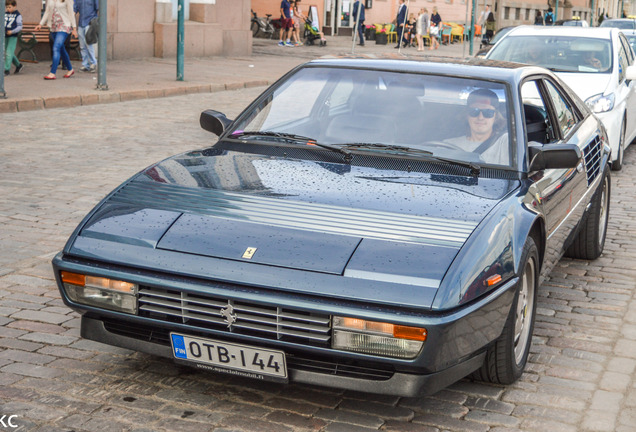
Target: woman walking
[[421, 28], [60, 19]]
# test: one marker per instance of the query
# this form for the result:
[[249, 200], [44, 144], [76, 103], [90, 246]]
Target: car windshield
[[621, 24], [559, 53], [382, 111]]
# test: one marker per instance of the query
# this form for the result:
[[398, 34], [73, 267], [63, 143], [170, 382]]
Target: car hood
[[586, 85], [234, 215]]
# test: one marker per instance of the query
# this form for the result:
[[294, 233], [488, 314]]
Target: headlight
[[600, 103], [371, 337], [101, 292]]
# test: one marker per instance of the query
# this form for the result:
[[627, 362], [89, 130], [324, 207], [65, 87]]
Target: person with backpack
[[549, 17]]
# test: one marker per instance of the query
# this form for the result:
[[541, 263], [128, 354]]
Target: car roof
[[470, 67], [577, 31]]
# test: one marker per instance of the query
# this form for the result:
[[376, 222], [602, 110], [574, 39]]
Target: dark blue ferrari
[[380, 225]]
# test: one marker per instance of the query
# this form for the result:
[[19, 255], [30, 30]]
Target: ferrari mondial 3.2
[[380, 225]]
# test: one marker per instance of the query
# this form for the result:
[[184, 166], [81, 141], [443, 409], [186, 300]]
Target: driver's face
[[480, 124]]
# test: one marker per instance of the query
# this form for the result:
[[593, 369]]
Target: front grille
[[204, 312], [325, 366], [592, 155]]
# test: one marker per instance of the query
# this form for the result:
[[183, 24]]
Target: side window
[[628, 49], [565, 115], [536, 119], [623, 62]]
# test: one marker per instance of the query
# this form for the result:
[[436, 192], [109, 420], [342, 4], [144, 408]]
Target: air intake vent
[[207, 312], [592, 155]]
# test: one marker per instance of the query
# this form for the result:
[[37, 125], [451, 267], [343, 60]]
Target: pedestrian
[[356, 5], [87, 9], [296, 18], [484, 16], [538, 19], [490, 26], [549, 17], [400, 24], [435, 29], [421, 28], [287, 24], [13, 27], [60, 19]]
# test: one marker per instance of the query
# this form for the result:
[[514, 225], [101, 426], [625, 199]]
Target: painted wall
[[145, 28]]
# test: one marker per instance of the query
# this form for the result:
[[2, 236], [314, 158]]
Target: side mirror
[[553, 156], [214, 121], [630, 73]]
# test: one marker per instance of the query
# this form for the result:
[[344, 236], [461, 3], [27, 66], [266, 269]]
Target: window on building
[[186, 9], [506, 12]]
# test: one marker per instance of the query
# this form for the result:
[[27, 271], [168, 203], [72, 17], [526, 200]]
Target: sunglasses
[[486, 112]]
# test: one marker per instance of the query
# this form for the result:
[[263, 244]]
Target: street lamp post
[[180, 37], [102, 51], [3, 95]]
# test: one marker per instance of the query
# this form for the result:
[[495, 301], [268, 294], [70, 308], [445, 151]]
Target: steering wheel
[[446, 145]]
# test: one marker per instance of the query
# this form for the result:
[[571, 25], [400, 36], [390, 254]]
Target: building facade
[[334, 15], [148, 28]]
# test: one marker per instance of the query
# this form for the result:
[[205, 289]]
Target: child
[[13, 27]]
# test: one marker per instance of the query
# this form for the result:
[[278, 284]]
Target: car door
[[628, 89], [561, 193]]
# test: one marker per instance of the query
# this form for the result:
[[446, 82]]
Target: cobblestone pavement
[[55, 165]]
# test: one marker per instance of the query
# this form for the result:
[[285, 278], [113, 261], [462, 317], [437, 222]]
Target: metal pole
[[592, 15], [556, 12], [102, 51], [472, 27], [469, 31], [355, 28], [3, 95], [406, 14], [180, 43]]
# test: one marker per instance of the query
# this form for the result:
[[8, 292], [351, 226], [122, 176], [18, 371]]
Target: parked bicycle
[[262, 27]]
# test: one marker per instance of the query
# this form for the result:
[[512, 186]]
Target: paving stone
[[294, 420], [491, 418], [451, 423], [349, 417], [32, 370]]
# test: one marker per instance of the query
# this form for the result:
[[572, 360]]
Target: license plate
[[231, 358]]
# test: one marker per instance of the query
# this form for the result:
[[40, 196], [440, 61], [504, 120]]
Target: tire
[[269, 30], [590, 240], [255, 29], [507, 357], [617, 165]]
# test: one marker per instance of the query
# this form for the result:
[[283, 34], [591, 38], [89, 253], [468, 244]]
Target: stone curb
[[20, 105]]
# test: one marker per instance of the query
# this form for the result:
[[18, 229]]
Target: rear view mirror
[[630, 73], [553, 156], [214, 121]]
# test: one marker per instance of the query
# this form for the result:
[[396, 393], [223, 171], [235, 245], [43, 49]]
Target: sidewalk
[[156, 77]]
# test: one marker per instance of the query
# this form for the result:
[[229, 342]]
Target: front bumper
[[401, 384], [612, 120]]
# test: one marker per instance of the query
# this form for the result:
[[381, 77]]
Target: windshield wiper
[[293, 138], [426, 154]]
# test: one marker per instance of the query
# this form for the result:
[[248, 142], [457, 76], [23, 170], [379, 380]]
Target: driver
[[591, 61], [485, 127]]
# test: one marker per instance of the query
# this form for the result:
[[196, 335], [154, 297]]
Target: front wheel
[[617, 165], [590, 240], [507, 358]]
